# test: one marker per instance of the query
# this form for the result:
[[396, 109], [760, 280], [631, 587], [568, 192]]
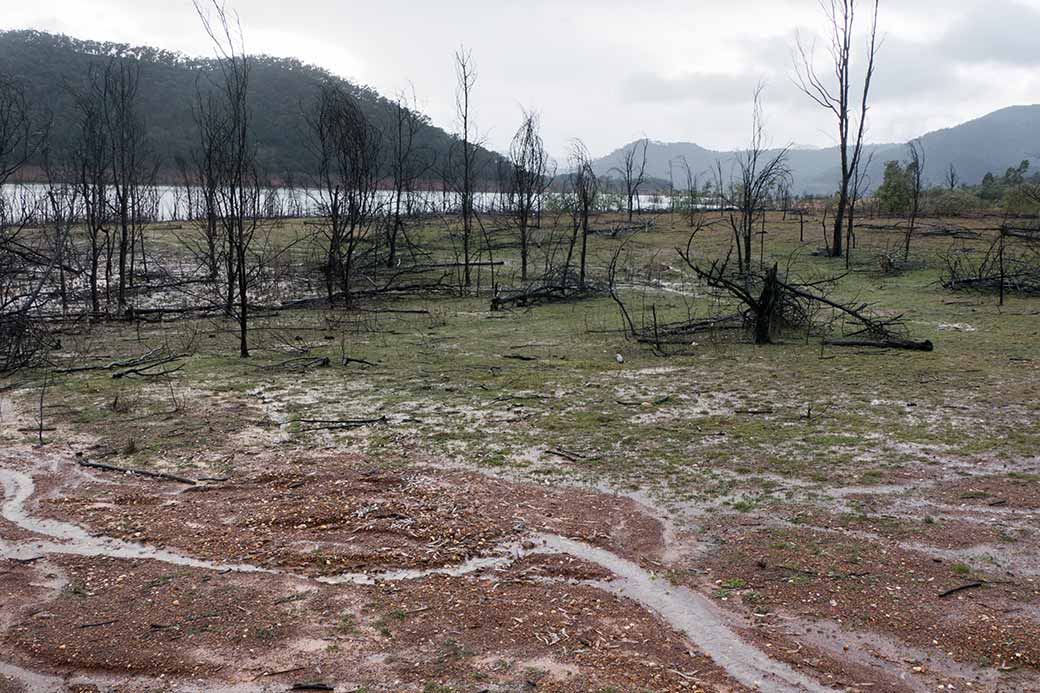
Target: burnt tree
[[755, 173], [584, 191], [407, 163], [848, 108], [346, 149], [633, 172], [530, 179], [238, 194]]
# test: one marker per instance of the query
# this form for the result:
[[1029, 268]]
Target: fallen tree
[[138, 472], [539, 295], [555, 287], [618, 229], [765, 302], [1011, 265]]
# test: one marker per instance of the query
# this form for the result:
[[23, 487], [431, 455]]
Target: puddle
[[34, 682], [693, 615], [504, 557], [919, 670], [30, 680], [76, 541]]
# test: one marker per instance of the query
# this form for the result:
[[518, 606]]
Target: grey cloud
[[608, 70], [910, 71], [700, 87], [995, 32]]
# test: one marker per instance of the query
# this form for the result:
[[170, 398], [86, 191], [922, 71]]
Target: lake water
[[177, 203]]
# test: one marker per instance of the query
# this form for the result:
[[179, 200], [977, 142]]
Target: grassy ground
[[501, 389]]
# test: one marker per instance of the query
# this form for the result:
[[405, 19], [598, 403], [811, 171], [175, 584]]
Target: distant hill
[[990, 144], [51, 67]]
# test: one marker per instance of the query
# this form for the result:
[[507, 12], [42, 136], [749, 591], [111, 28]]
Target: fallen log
[[143, 370], [656, 402], [1013, 283], [566, 454], [338, 424], [126, 363], [907, 344], [268, 674], [394, 311], [139, 472], [682, 333], [1023, 233], [347, 360], [616, 231], [299, 364], [450, 266], [544, 294], [955, 590]]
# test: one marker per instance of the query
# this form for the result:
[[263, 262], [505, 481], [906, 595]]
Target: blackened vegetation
[[77, 250], [530, 178], [1010, 265], [239, 181], [633, 173], [567, 280], [756, 174], [347, 151], [26, 264], [841, 98], [23, 342], [74, 246], [757, 298], [556, 288], [764, 303]]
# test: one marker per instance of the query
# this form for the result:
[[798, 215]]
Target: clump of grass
[[347, 624], [265, 634], [453, 649], [122, 403]]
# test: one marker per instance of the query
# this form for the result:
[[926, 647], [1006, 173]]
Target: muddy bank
[[128, 606]]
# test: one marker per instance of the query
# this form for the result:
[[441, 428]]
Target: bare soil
[[535, 620]]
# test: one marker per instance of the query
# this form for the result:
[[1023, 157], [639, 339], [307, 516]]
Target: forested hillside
[[54, 69]]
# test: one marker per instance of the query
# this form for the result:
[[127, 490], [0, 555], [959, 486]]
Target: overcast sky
[[610, 71]]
